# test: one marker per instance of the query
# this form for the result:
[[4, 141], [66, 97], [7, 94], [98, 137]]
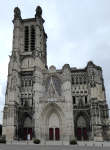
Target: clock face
[[28, 62]]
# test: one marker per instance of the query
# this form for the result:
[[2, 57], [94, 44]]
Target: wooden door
[[57, 134], [30, 132], [85, 134], [51, 133], [25, 133], [79, 134]]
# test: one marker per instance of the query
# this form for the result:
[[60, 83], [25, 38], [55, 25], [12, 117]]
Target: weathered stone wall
[[36, 97]]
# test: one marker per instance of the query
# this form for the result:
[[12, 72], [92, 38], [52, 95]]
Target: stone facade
[[50, 104]]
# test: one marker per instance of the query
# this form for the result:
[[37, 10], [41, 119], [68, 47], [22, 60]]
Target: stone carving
[[31, 85], [81, 122], [13, 84], [81, 102], [14, 57], [92, 78], [57, 84], [38, 11], [17, 12], [5, 113], [53, 84], [52, 69], [51, 91], [66, 73], [26, 81], [79, 78], [28, 122], [47, 84]]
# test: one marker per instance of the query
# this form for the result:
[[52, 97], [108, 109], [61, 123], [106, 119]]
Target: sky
[[78, 31]]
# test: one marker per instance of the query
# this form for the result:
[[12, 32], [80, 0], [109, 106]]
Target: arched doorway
[[82, 126], [46, 113], [54, 127], [25, 127], [81, 129]]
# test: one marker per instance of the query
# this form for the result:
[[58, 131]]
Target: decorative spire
[[17, 12], [38, 11]]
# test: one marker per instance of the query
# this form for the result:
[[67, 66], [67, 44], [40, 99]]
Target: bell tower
[[28, 60]]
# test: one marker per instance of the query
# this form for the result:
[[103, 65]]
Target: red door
[[84, 134], [57, 135], [79, 134], [25, 133], [51, 133], [30, 132]]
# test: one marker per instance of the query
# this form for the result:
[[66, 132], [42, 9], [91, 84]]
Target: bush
[[36, 141], [2, 141], [73, 142]]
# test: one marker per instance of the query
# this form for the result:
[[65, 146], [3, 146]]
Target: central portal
[[54, 134], [54, 127]]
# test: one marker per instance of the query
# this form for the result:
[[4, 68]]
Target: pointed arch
[[47, 110], [84, 114], [87, 119], [49, 113], [52, 105], [21, 121], [23, 117], [56, 75], [55, 83]]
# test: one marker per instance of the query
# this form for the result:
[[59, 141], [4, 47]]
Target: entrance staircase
[[15, 142]]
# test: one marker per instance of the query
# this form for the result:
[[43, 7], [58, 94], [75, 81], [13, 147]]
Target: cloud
[[78, 31]]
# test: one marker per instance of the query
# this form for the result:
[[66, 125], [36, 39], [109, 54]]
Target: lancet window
[[32, 38], [26, 81], [26, 38], [72, 80], [76, 80], [56, 82], [29, 38], [80, 80], [57, 85], [84, 80], [47, 84]]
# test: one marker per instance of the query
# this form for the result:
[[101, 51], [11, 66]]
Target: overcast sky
[[78, 31]]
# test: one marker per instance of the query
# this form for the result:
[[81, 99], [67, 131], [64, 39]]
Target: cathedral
[[49, 103]]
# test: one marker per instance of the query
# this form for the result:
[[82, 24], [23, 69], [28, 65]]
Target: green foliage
[[36, 141], [2, 141], [73, 142]]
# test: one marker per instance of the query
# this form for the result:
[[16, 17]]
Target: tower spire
[[38, 11]]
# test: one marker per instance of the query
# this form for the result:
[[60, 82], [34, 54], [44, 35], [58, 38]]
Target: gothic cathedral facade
[[50, 104]]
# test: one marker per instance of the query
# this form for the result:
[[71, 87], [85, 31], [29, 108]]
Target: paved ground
[[50, 147], [63, 143]]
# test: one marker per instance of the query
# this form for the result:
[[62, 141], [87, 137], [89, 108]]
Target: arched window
[[76, 80], [32, 38], [26, 38], [26, 83], [72, 80], [47, 84], [22, 82], [57, 84], [80, 80], [30, 83], [84, 80]]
